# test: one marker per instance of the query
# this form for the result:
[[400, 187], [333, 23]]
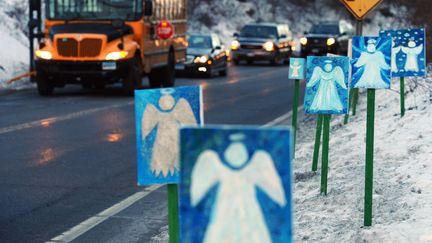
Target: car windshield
[[325, 29], [200, 41], [94, 9], [258, 32]]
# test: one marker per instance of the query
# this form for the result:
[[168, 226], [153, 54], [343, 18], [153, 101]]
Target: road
[[71, 156]]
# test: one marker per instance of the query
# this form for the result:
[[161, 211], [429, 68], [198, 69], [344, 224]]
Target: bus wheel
[[44, 87], [133, 78], [155, 78]]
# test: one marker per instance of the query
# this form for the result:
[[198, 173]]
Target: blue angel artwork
[[159, 113], [296, 68], [327, 85], [371, 62], [408, 52], [235, 185]]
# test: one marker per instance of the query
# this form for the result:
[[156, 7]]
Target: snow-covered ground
[[402, 206], [14, 54]]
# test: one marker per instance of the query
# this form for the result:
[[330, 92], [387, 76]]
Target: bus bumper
[[83, 72]]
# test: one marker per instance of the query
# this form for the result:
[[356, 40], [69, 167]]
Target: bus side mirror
[[35, 4], [148, 8]]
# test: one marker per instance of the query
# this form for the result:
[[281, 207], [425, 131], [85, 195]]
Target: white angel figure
[[165, 153], [236, 215], [395, 51], [412, 51], [295, 67], [327, 97], [373, 62]]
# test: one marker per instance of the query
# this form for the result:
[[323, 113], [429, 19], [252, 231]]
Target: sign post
[[295, 111], [173, 213], [402, 96], [360, 8], [317, 142], [296, 72]]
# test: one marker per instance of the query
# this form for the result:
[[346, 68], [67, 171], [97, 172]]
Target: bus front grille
[[69, 47], [90, 47]]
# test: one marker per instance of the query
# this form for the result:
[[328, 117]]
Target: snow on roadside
[[402, 206], [14, 53]]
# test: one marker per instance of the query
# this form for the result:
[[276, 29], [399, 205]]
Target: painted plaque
[[371, 60], [408, 52], [235, 185], [159, 114], [296, 68], [326, 85]]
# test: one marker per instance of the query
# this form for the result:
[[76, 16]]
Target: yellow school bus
[[95, 43]]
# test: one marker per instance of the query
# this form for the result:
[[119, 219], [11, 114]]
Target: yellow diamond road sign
[[360, 8]]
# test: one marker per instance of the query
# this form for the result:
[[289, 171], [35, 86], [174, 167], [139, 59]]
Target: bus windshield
[[94, 9]]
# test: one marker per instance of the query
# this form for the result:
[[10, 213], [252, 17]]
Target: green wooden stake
[[317, 142], [402, 96], [350, 101], [173, 214], [369, 157], [295, 111], [325, 154], [355, 101]]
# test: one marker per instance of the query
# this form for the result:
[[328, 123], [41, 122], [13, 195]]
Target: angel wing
[[316, 76], [205, 175], [149, 120], [183, 113], [263, 172], [339, 76], [382, 61], [396, 50], [418, 49], [361, 61]]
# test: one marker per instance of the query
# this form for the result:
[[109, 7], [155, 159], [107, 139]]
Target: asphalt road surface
[[67, 158]]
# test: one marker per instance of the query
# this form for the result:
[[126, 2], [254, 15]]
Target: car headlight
[[116, 55], [43, 54], [235, 45], [331, 41], [303, 41], [201, 59], [268, 46]]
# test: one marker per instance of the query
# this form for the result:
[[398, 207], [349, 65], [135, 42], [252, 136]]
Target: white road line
[[52, 120], [90, 223]]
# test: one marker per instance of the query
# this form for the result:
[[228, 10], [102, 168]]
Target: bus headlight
[[268, 46], [201, 59], [331, 41], [43, 54], [235, 45], [303, 41], [116, 55]]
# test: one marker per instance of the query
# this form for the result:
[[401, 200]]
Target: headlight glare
[[303, 41], [331, 41], [201, 59], [268, 46], [235, 45], [116, 55], [43, 54]]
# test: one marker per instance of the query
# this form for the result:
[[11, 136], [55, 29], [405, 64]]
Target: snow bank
[[402, 206], [13, 40]]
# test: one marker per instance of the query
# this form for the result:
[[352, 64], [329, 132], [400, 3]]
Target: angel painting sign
[[371, 62], [296, 68], [408, 52], [159, 115], [327, 85], [235, 185]]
